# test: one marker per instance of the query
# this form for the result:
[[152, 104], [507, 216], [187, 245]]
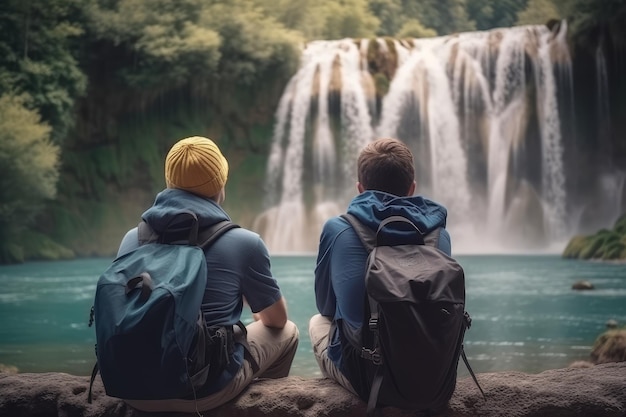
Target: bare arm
[[274, 315]]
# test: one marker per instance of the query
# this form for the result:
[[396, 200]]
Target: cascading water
[[479, 110], [305, 139]]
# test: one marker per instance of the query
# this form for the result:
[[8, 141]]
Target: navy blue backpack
[[151, 338]]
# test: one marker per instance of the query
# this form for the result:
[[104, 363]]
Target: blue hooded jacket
[[339, 274]]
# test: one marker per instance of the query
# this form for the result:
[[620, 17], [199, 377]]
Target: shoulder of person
[[336, 224], [243, 234]]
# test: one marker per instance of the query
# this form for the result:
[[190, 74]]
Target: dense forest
[[94, 92]]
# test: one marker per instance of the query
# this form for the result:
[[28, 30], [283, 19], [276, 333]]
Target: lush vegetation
[[605, 244], [93, 93]]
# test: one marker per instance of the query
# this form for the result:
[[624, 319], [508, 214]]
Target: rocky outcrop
[[606, 244], [610, 346], [598, 390]]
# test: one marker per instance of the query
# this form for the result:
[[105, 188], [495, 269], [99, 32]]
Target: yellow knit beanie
[[195, 164]]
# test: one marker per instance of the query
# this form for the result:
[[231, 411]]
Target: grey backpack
[[415, 320]]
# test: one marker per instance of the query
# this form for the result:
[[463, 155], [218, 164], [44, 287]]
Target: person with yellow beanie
[[239, 274]]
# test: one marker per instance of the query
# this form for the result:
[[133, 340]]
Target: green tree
[[39, 47], [537, 12], [349, 18], [413, 28], [588, 18], [172, 43], [307, 17], [254, 43], [28, 172], [324, 19], [390, 14], [444, 16], [489, 14], [165, 43]]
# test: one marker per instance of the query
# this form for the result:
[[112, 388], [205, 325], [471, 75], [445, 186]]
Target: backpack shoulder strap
[[209, 235], [432, 238], [205, 237], [146, 234], [182, 228], [366, 235]]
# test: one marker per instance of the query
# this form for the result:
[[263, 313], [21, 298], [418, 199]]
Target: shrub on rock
[[610, 346]]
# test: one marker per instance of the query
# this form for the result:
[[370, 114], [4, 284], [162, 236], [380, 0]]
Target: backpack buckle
[[373, 324], [372, 355], [468, 320]]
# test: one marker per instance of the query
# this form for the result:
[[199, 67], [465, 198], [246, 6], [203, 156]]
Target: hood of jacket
[[372, 207], [171, 202]]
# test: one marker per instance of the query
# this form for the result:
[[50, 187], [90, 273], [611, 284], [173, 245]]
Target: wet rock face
[[587, 391]]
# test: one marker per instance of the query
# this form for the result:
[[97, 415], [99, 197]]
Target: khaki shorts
[[319, 326], [273, 349]]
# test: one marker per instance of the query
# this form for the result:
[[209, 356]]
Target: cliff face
[[598, 390]]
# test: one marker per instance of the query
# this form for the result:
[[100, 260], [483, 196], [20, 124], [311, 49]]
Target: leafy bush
[[605, 244], [28, 171]]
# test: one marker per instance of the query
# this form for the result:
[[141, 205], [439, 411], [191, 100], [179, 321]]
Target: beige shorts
[[319, 327], [273, 349]]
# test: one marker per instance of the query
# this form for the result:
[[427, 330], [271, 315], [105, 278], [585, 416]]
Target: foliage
[[162, 37], [605, 244], [350, 18], [414, 29], [538, 12], [28, 171], [489, 14], [588, 18], [444, 16], [390, 14], [575, 246], [174, 42], [253, 43], [38, 56], [324, 19]]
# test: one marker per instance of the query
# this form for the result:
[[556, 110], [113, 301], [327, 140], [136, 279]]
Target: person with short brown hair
[[387, 165], [386, 185]]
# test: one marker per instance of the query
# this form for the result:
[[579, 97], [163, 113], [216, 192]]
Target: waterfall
[[479, 111], [602, 99], [304, 136]]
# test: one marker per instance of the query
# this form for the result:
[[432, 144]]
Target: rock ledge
[[594, 391]]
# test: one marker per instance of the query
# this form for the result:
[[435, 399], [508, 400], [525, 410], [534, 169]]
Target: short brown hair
[[386, 165]]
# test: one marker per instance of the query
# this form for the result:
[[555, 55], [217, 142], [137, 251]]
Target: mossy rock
[[613, 250], [605, 244], [575, 246], [594, 246], [608, 242], [610, 346]]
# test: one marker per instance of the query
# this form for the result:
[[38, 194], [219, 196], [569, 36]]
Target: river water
[[525, 315]]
